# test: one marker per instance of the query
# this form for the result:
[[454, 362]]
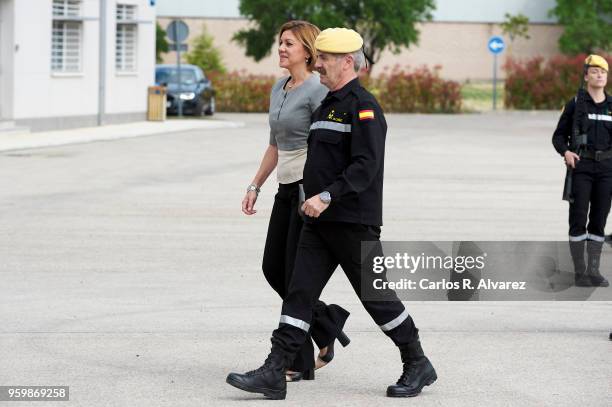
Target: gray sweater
[[290, 112]]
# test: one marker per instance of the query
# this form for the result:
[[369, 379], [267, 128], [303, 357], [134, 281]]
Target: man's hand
[[314, 207], [571, 159]]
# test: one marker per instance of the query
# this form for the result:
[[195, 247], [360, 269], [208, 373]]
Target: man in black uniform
[[592, 169], [343, 178]]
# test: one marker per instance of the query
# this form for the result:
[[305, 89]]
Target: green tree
[[383, 24], [161, 45], [516, 26], [587, 25], [205, 54]]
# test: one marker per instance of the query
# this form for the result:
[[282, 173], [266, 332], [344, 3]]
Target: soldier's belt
[[597, 155]]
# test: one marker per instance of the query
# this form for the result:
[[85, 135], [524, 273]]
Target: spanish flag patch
[[366, 114]]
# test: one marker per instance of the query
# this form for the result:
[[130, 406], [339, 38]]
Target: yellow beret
[[338, 41], [596, 60]]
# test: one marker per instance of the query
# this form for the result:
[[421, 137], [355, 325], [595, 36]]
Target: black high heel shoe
[[297, 376], [325, 359]]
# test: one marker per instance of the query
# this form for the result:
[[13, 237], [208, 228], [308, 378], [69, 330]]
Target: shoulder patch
[[366, 114]]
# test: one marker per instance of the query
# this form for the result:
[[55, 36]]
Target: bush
[[418, 91], [415, 91], [540, 84], [241, 92]]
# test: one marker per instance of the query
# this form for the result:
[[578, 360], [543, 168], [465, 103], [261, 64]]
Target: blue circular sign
[[496, 44], [177, 31]]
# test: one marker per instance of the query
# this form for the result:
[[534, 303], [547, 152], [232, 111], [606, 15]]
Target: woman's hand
[[571, 159], [249, 202]]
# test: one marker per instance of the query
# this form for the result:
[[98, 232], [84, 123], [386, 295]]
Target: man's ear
[[351, 62]]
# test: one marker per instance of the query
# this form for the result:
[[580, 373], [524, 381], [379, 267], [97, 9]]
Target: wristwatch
[[253, 187], [325, 197]]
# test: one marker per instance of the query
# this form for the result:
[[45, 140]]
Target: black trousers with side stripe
[[592, 189], [322, 247], [278, 264]]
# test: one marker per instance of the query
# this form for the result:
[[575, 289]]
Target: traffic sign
[[177, 31], [496, 44], [183, 47]]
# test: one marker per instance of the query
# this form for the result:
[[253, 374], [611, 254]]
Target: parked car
[[196, 91]]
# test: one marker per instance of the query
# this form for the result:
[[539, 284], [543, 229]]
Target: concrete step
[[8, 127], [6, 124]]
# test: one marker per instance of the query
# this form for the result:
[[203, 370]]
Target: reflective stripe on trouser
[[298, 323], [596, 238], [323, 246], [396, 322], [580, 238]]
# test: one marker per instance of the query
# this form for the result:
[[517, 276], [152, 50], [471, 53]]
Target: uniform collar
[[587, 95], [343, 91]]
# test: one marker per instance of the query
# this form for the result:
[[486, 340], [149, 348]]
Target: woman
[[292, 102], [590, 159]]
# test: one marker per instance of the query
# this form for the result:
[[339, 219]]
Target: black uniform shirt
[[598, 125], [346, 148]]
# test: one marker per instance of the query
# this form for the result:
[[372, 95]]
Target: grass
[[478, 96]]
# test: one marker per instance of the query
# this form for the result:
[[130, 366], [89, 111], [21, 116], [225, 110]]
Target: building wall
[[39, 92], [43, 99], [460, 48], [6, 59], [487, 11], [198, 8], [127, 93]]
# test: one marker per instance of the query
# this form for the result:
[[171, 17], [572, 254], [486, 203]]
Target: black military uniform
[[592, 185], [346, 158], [346, 148]]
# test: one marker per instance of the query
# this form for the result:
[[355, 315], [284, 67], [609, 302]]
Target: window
[[66, 36], [66, 8], [125, 43]]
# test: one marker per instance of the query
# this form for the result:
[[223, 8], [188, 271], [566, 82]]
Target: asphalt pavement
[[130, 274]]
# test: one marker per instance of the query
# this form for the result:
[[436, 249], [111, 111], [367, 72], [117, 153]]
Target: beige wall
[[460, 48]]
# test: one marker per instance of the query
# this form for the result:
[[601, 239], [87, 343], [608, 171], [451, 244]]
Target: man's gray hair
[[358, 59]]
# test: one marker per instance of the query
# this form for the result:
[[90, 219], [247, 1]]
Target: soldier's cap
[[338, 41], [596, 61]]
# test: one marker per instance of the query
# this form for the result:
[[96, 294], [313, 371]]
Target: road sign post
[[496, 46], [177, 32]]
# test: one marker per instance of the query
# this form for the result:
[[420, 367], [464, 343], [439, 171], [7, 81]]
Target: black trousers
[[322, 247], [592, 189], [278, 264]]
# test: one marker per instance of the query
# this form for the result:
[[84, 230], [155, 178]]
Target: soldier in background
[[584, 138]]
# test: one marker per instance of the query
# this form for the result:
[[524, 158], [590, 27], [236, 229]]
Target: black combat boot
[[418, 372], [268, 380], [594, 253], [577, 253]]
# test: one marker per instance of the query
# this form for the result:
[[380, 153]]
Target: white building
[[50, 62]]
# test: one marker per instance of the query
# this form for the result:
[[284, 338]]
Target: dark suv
[[197, 92]]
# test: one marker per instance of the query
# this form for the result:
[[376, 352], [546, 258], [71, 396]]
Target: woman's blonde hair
[[306, 33]]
